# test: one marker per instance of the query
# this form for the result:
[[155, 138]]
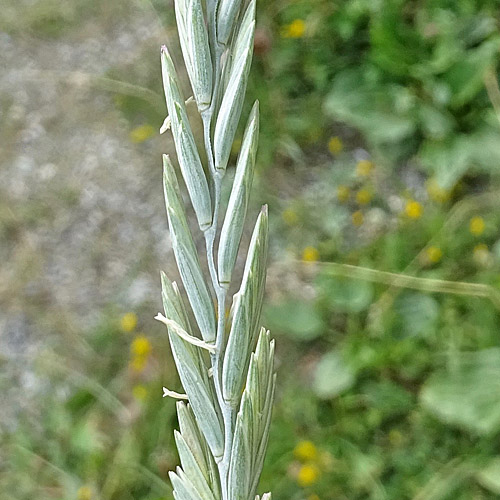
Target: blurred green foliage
[[409, 77], [385, 392]]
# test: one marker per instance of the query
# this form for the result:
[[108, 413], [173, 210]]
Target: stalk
[[225, 424]]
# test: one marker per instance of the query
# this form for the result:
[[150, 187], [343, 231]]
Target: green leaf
[[371, 108], [468, 393], [298, 319], [388, 397], [465, 78], [332, 376], [417, 313], [344, 294], [489, 476]]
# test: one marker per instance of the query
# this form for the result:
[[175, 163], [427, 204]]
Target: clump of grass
[[226, 370]]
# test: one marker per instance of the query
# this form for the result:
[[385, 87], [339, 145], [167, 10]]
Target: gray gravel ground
[[82, 224]]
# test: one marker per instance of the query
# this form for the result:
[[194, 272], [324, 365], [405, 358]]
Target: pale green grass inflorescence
[[225, 364]]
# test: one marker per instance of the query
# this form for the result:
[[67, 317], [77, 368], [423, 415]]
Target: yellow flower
[[84, 493], [308, 474], [295, 29], [141, 133], [138, 363], [305, 451], [357, 218], [414, 209], [140, 392], [335, 145], [310, 254], [434, 254], [436, 192], [343, 193], [140, 346], [313, 497], [290, 216], [476, 226], [363, 196], [363, 168], [128, 322]]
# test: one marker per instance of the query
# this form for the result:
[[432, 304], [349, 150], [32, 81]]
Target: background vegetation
[[379, 157]]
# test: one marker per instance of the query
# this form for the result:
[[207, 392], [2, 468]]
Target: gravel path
[[81, 212]]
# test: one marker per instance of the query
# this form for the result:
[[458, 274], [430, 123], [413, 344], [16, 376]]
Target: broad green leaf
[[466, 77], [344, 294], [468, 393], [489, 476], [297, 319], [444, 482], [417, 313], [371, 108], [332, 376]]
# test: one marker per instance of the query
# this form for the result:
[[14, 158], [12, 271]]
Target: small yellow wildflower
[[476, 226], [414, 209], [295, 29], [357, 218], [436, 192], [305, 451], [138, 363], [140, 346], [140, 392], [343, 193], [364, 168], [84, 493], [335, 145], [128, 322], [310, 254], [434, 254], [290, 216], [141, 133], [308, 474], [363, 196]]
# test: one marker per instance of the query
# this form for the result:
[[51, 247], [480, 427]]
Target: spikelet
[[229, 382]]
